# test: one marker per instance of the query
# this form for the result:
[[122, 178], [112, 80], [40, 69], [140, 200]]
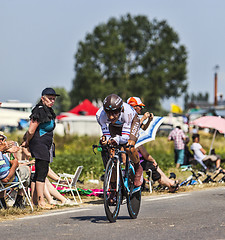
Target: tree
[[130, 57], [62, 103]]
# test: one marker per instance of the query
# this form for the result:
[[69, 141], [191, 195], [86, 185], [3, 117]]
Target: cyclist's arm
[[102, 120]]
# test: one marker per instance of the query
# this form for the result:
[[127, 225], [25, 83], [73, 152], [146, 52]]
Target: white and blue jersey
[[124, 122]]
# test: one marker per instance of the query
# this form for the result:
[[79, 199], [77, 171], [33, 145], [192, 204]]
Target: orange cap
[[135, 101]]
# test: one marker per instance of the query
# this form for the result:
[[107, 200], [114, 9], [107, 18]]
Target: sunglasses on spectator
[[139, 106]]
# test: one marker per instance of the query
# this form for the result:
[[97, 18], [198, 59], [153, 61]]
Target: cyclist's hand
[[130, 142], [103, 140]]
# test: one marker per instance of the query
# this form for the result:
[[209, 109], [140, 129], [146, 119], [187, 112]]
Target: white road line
[[53, 214], [167, 197]]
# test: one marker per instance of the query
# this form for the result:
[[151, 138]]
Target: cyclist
[[147, 161], [120, 125]]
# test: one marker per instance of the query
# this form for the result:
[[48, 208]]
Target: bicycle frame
[[119, 174], [192, 179]]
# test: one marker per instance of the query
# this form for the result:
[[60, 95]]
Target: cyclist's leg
[[134, 156], [105, 156], [134, 133]]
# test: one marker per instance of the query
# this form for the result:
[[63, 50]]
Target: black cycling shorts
[[41, 170], [149, 165]]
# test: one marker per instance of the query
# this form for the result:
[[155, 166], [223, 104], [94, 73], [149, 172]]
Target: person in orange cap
[[138, 105], [147, 161]]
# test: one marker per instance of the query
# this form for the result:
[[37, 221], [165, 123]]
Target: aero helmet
[[113, 103]]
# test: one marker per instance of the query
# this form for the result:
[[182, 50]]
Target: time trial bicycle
[[119, 183]]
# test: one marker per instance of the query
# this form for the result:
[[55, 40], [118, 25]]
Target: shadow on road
[[98, 219]]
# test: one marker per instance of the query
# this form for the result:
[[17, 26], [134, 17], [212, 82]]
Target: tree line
[[128, 56]]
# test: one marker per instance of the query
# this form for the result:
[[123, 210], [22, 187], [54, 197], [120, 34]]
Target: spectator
[[39, 139], [49, 191], [188, 156], [147, 161], [177, 135], [7, 172], [200, 153], [194, 130]]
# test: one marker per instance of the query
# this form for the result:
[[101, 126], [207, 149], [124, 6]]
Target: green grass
[[72, 151]]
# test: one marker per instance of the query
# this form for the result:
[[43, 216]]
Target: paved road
[[194, 215]]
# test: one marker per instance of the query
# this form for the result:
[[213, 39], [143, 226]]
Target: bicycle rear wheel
[[112, 198], [134, 196]]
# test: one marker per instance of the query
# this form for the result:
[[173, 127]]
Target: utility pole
[[216, 68]]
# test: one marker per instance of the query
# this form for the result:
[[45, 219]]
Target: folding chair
[[71, 181], [10, 185]]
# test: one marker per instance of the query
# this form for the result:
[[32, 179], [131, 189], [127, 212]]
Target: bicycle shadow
[[98, 219]]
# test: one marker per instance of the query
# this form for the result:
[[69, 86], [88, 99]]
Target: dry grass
[[14, 213]]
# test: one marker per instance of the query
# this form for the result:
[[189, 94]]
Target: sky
[[39, 39]]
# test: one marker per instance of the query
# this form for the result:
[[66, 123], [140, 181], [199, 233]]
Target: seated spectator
[[49, 191], [200, 154], [7, 171], [148, 162]]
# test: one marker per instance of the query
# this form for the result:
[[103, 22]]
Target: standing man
[[177, 135]]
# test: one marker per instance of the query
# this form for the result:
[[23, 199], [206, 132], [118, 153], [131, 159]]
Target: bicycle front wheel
[[134, 196], [112, 197]]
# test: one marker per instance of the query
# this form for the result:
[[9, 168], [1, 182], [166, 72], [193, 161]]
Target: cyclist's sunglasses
[[110, 111]]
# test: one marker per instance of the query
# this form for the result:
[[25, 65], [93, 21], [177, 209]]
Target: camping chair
[[71, 181], [10, 185]]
